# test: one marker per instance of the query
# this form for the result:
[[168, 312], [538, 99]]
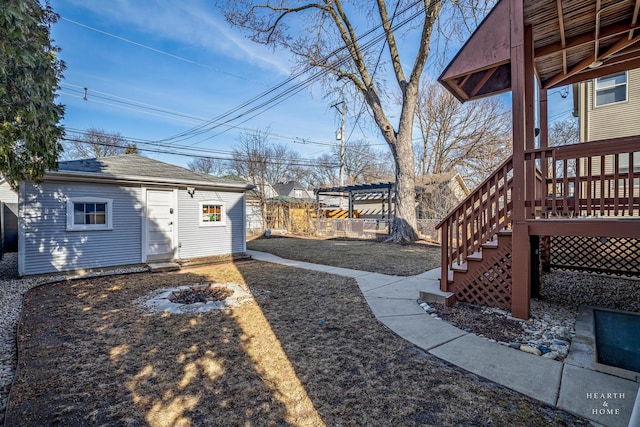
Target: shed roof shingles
[[143, 168]]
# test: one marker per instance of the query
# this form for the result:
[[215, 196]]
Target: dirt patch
[[476, 319], [307, 351], [365, 255]]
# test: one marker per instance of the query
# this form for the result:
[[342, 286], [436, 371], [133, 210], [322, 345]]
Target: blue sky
[[186, 65]]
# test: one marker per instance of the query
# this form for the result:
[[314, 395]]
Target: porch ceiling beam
[[584, 64], [634, 20], [483, 81], [617, 67], [586, 38], [563, 39]]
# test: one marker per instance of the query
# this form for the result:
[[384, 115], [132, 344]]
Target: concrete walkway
[[604, 399]]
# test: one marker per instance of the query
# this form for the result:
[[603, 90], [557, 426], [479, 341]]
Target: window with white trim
[[212, 213], [610, 89], [89, 213]]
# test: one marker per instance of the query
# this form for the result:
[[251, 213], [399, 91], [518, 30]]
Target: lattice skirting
[[489, 286], [609, 255]]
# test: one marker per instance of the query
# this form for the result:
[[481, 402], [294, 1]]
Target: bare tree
[[97, 143], [471, 138], [323, 36], [207, 166], [362, 164], [564, 132], [264, 164]]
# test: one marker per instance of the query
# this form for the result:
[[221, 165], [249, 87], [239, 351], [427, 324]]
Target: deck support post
[[521, 277], [523, 137], [535, 265]]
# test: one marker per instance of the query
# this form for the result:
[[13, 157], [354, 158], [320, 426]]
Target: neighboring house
[[437, 194], [293, 190], [126, 209], [292, 209], [608, 108], [8, 218]]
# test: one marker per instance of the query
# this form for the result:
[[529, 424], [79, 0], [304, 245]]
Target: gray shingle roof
[[140, 168]]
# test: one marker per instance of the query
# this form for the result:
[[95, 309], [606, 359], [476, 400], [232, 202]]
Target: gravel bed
[[552, 323], [12, 290]]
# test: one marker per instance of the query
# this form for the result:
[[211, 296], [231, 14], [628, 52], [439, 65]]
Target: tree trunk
[[404, 222]]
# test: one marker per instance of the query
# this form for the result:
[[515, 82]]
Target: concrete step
[[163, 267]]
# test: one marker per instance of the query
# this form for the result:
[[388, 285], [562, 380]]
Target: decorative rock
[[550, 355], [515, 345], [562, 350], [562, 333], [559, 342], [531, 350], [467, 330], [543, 349], [420, 302]]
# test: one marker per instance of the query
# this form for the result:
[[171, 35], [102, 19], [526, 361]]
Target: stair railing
[[476, 220]]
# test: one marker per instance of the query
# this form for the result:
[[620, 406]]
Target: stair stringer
[[487, 279]]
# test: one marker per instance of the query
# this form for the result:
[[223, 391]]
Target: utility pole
[[340, 136]]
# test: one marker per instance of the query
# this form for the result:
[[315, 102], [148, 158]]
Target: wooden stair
[[485, 277], [476, 243]]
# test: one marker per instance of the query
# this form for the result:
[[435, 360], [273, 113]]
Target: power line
[[81, 92], [155, 147], [212, 123]]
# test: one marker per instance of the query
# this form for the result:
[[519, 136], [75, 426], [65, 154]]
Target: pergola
[[556, 43], [380, 191]]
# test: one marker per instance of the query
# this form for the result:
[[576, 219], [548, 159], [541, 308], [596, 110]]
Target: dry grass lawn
[[306, 352], [366, 255]]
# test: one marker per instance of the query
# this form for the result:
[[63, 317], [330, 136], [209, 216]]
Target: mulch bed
[[308, 352]]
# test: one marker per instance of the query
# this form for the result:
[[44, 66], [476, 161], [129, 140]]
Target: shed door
[[160, 219]]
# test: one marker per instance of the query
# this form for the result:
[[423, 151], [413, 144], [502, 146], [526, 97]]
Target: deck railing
[[477, 219], [599, 178]]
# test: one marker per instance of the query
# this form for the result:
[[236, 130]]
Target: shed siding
[[195, 240], [48, 247]]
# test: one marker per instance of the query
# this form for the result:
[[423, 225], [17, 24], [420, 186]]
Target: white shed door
[[160, 218]]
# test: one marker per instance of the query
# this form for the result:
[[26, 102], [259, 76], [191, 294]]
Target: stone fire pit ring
[[159, 301]]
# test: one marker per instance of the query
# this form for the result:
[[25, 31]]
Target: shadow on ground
[[306, 351]]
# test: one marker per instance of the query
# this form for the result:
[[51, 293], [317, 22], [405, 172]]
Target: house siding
[[615, 120], [196, 241], [46, 244], [612, 121]]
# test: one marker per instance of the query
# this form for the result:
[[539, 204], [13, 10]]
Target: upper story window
[[212, 213], [610, 89], [298, 194], [89, 213]]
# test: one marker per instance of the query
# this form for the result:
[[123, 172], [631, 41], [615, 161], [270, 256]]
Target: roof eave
[[133, 179]]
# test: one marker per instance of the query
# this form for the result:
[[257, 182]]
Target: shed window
[[89, 213], [212, 213], [611, 89]]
